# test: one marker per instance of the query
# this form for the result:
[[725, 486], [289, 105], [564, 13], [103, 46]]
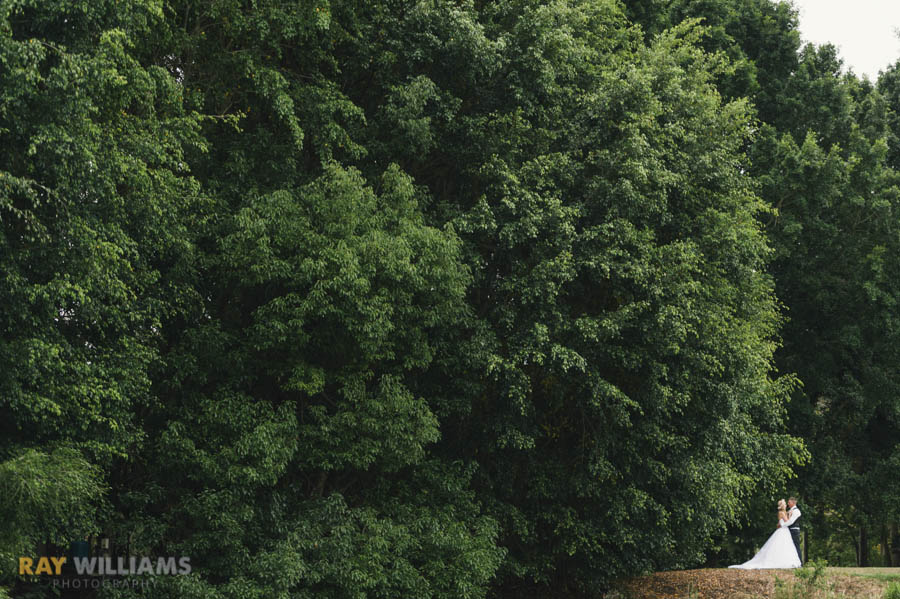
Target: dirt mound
[[727, 583]]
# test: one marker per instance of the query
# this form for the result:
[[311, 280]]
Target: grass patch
[[881, 577], [893, 591], [880, 574]]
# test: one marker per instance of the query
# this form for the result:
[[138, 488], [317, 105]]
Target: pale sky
[[863, 30]]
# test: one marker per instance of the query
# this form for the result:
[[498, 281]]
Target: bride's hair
[[781, 504]]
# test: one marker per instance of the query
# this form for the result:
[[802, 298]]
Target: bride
[[779, 550]]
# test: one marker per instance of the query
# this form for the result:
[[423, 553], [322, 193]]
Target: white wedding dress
[[778, 552]]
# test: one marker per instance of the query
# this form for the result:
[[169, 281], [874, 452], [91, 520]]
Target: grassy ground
[[835, 583], [885, 574]]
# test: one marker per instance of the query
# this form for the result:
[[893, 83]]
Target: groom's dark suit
[[794, 527]]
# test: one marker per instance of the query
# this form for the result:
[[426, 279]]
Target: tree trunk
[[805, 546], [862, 548], [895, 545], [885, 549]]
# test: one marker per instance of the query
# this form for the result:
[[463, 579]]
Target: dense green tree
[[289, 453], [835, 234], [93, 233], [624, 323], [838, 235], [819, 157], [634, 375], [760, 37], [93, 196], [289, 411], [889, 89]]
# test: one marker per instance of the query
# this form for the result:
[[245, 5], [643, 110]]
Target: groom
[[793, 525]]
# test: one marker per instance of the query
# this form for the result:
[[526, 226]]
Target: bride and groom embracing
[[782, 550]]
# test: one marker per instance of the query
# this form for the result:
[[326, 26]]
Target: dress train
[[778, 552]]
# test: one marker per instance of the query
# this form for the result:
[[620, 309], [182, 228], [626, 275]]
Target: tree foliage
[[45, 497]]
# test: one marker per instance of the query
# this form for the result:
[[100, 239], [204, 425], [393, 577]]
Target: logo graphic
[[104, 566], [94, 572]]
